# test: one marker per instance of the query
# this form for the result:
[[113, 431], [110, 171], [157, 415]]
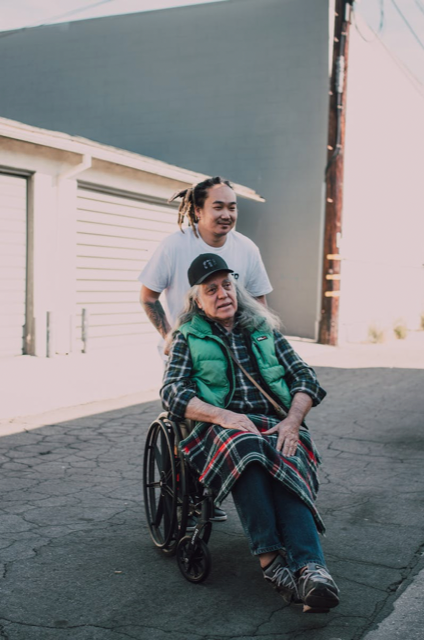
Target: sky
[[15, 14], [405, 45]]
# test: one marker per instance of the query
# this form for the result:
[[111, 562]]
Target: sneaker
[[282, 579], [218, 515], [317, 588]]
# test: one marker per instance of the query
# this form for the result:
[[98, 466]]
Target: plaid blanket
[[220, 455]]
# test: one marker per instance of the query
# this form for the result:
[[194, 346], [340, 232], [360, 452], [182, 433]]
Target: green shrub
[[376, 334], [400, 329]]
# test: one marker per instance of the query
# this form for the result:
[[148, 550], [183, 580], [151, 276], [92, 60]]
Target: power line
[[408, 24], [364, 38], [403, 68], [380, 26], [416, 82], [54, 18], [419, 5]]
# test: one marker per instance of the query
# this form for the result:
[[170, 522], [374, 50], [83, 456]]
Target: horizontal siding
[[13, 230], [7, 296], [102, 331], [118, 233], [116, 342], [12, 262], [9, 319], [12, 225], [87, 250], [12, 271], [107, 309], [106, 273], [8, 346], [13, 250], [115, 237], [117, 319], [13, 309], [89, 241], [104, 263], [103, 286], [124, 207], [13, 333], [126, 222]]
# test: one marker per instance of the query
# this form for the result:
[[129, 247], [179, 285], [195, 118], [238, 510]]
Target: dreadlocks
[[193, 197]]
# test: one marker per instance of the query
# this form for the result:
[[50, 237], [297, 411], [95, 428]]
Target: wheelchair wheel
[[165, 494], [194, 560]]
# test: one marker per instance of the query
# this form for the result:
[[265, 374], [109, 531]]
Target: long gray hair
[[251, 314]]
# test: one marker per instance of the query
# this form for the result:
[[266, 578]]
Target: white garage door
[[115, 236], [13, 249]]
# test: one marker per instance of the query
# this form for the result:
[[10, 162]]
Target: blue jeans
[[273, 518]]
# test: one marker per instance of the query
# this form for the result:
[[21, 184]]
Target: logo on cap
[[209, 264]]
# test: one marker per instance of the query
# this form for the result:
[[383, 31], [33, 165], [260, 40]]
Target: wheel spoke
[[159, 512], [158, 458], [167, 513], [168, 491], [165, 455]]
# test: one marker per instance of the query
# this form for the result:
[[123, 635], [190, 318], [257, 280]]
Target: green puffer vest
[[213, 369]]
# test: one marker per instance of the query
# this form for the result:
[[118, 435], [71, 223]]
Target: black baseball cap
[[204, 265]]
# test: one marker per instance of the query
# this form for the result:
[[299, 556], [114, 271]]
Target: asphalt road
[[77, 562]]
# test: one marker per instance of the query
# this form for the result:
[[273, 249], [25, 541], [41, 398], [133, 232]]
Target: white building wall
[[65, 259], [53, 177], [43, 201], [383, 213]]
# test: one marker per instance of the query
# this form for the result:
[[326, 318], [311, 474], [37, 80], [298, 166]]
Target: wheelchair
[[172, 495]]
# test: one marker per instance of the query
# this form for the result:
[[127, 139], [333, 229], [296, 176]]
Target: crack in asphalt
[[3, 634], [5, 571], [271, 615], [58, 628]]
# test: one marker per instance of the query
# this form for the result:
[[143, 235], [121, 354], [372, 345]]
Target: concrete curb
[[407, 617], [27, 423]]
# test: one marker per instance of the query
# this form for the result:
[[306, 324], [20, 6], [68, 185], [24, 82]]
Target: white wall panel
[[115, 236], [13, 247]]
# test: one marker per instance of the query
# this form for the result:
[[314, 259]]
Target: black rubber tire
[[194, 562], [183, 502], [164, 487]]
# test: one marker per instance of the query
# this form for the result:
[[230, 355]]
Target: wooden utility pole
[[328, 328]]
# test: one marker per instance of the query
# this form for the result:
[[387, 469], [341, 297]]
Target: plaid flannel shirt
[[178, 387]]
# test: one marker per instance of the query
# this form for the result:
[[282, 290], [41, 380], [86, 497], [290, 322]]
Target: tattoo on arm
[[157, 317]]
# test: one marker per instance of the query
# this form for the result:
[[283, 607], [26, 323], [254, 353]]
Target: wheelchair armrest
[[186, 427]]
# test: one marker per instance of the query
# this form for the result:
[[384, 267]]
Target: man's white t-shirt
[[167, 268]]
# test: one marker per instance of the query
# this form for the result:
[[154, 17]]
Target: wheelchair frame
[[172, 494]]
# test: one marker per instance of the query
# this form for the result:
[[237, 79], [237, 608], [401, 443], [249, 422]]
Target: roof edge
[[83, 146]]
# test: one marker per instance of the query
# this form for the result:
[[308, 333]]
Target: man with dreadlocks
[[210, 208]]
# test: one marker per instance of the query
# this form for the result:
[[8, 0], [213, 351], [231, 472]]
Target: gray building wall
[[238, 88]]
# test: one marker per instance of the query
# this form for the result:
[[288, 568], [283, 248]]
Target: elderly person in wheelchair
[[251, 441]]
